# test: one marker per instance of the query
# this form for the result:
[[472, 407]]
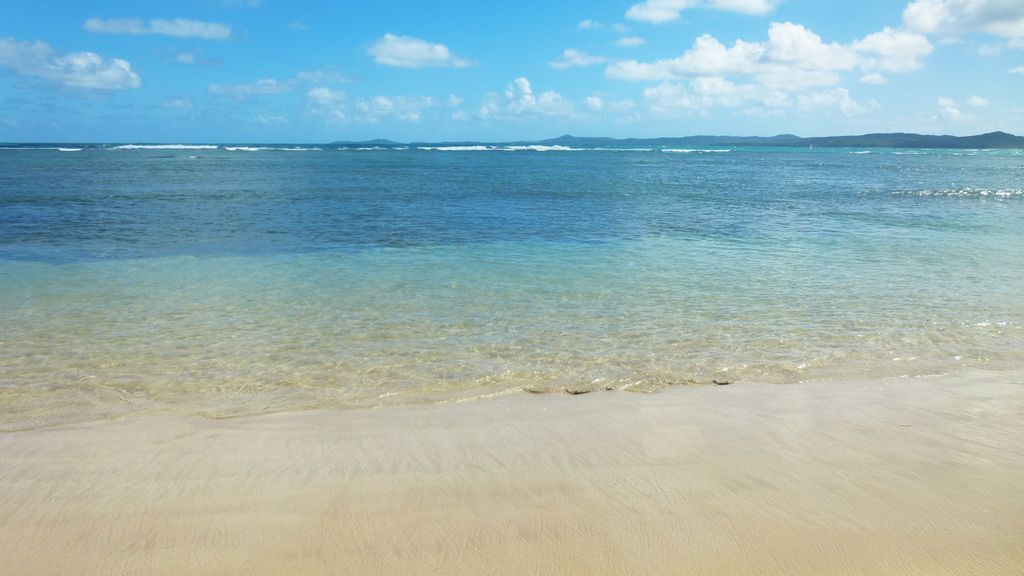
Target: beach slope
[[906, 476]]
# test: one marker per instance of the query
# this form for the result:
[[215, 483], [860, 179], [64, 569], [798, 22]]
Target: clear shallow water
[[226, 282]]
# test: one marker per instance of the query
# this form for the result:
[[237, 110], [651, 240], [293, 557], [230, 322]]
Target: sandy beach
[[903, 476]]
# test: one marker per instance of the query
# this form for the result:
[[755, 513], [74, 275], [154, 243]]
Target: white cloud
[[572, 58], [409, 52], [185, 58], [792, 59], [270, 120], [323, 76], [454, 101], [589, 25], [948, 109], [1016, 43], [753, 7], [275, 86], [658, 11], [520, 100], [1017, 70], [954, 17], [706, 56], [178, 103], [705, 92], [989, 50], [893, 50], [838, 98], [977, 101], [596, 103], [337, 107], [702, 93], [408, 108], [179, 27], [630, 41], [873, 78], [86, 70], [327, 102], [244, 91], [662, 11], [795, 45]]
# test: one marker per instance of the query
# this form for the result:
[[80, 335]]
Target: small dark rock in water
[[722, 382], [576, 392]]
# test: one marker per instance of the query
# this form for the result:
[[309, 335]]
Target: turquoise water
[[225, 282]]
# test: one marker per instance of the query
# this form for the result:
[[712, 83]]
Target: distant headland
[[990, 140]]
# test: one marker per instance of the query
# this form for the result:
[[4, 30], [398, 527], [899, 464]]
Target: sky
[[228, 71]]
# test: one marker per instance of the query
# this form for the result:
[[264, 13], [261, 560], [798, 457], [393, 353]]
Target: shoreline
[[917, 475]]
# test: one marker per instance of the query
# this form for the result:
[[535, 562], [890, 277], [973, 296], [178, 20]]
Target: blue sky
[[277, 71]]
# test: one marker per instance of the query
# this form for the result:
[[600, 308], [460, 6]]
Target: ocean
[[234, 280]]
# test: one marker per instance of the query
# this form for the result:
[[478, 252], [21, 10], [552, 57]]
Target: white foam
[[456, 148], [540, 148], [165, 147], [271, 148], [41, 148], [694, 150]]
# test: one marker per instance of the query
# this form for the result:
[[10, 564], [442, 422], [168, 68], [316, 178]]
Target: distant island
[[990, 140]]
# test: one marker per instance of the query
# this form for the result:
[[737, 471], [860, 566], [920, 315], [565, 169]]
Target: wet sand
[[919, 476]]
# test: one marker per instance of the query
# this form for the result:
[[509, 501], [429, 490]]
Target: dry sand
[[908, 476]]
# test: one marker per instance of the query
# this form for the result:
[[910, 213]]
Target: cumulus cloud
[[589, 25], [630, 41], [954, 17], [179, 27], [597, 103], [873, 78], [658, 11], [520, 99], [754, 7], [893, 50], [332, 104], [977, 101], [705, 92], [662, 11], [1017, 70], [948, 109], [572, 58], [408, 108], [409, 52], [700, 94], [85, 70], [793, 58], [336, 106], [838, 98]]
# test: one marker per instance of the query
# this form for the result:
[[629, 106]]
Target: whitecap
[[693, 150], [165, 147]]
